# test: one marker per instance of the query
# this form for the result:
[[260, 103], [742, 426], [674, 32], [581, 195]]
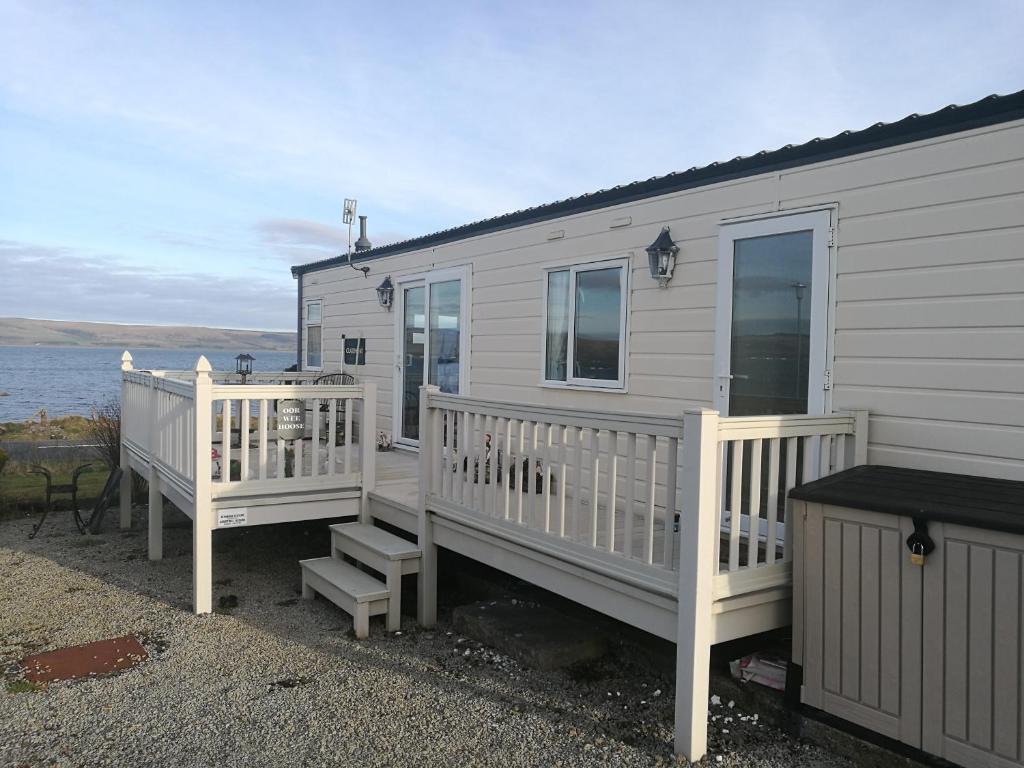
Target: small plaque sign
[[291, 419], [232, 518]]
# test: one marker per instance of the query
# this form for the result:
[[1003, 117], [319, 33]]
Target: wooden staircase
[[340, 579]]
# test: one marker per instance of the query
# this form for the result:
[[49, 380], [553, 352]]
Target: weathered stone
[[536, 636]]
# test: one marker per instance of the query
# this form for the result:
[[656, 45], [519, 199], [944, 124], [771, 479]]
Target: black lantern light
[[386, 293], [243, 365], [662, 255]]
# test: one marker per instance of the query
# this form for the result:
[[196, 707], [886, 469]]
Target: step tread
[[377, 539], [360, 586]]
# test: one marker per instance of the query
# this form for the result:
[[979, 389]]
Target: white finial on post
[[203, 365], [126, 361]]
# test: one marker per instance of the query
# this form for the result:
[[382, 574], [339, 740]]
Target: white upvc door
[[431, 342], [771, 324]]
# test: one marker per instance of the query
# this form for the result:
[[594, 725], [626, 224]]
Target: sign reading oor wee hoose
[[291, 419]]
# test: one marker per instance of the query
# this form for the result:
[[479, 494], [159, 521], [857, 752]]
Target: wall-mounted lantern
[[662, 255], [243, 365], [386, 293]]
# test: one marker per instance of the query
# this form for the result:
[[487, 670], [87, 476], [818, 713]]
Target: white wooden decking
[[600, 530]]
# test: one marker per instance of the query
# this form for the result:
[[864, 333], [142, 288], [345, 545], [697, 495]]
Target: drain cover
[[103, 657]]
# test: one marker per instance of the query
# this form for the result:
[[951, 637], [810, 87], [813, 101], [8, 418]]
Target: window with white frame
[[585, 325], [314, 335]]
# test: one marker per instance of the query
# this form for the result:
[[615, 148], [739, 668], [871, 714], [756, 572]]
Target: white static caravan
[[671, 357]]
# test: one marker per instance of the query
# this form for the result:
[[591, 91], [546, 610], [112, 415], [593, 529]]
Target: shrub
[[105, 433], [3, 460]]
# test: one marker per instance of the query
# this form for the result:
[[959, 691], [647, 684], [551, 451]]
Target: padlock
[[917, 554]]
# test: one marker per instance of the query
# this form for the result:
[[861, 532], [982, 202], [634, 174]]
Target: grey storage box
[[927, 649]]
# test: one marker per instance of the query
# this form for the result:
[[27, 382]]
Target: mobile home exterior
[[783, 302], [880, 270]]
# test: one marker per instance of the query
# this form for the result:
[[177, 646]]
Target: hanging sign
[[291, 419]]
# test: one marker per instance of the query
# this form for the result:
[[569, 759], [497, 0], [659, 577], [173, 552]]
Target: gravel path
[[279, 681]]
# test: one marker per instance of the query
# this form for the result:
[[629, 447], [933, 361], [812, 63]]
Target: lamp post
[[661, 255], [243, 365]]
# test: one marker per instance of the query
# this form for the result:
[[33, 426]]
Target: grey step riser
[[339, 597], [359, 552]]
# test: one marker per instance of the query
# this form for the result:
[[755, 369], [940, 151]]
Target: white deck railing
[[208, 433], [610, 481]]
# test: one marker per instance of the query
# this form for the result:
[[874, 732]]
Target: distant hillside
[[16, 331]]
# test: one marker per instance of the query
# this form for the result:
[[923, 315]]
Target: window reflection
[[771, 324], [597, 324], [445, 300]]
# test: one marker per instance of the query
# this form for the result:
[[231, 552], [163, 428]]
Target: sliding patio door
[[432, 343]]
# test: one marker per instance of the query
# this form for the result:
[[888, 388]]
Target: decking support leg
[[394, 582], [361, 621], [202, 566], [426, 584], [156, 517], [697, 531]]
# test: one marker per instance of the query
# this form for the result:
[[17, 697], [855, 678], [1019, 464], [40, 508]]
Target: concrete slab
[[536, 636]]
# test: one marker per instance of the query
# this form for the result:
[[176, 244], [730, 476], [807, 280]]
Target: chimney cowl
[[363, 243]]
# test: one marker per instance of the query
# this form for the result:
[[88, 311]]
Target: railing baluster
[[314, 447], [577, 484], [629, 497], [651, 483], [546, 469], [613, 479], [517, 470], [465, 452], [671, 481], [480, 473], [297, 468], [491, 452], [262, 427], [595, 477], [347, 449], [771, 537], [791, 460], [448, 420], [735, 504], [332, 435], [754, 531], [225, 441], [506, 470], [826, 456], [243, 442], [437, 470], [562, 476], [840, 442]]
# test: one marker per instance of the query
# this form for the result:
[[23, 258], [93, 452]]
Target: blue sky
[[168, 162]]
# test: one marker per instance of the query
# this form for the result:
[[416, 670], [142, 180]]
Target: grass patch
[[22, 492], [21, 686], [60, 428]]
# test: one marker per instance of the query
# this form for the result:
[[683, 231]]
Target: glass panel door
[[413, 348], [430, 317], [445, 336], [771, 324]]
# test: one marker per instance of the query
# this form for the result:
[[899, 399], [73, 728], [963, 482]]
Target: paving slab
[[535, 635]]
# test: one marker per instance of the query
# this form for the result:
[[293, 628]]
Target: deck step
[[377, 540], [357, 593]]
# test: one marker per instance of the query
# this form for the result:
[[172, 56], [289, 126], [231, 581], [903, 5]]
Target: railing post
[[860, 438], [368, 444], [155, 528], [202, 520], [697, 532], [126, 470], [427, 580]]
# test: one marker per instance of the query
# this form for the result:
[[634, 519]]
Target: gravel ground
[[272, 680]]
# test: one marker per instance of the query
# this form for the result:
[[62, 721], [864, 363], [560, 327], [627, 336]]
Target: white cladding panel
[[928, 305]]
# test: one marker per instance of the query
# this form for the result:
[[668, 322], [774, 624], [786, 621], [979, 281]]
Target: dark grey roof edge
[[990, 110]]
